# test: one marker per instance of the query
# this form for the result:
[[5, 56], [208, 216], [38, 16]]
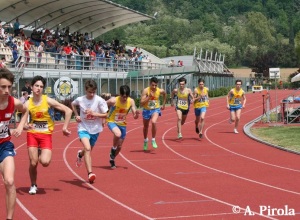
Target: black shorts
[[184, 112]]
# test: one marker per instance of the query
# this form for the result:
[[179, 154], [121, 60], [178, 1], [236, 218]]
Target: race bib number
[[120, 117], [90, 117], [237, 101], [182, 103], [40, 126], [151, 104], [203, 99], [4, 129]]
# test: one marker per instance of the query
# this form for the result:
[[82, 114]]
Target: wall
[[245, 72]]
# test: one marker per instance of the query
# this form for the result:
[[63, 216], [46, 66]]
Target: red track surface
[[187, 179]]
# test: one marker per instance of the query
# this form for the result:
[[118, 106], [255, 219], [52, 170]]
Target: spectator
[[67, 51], [15, 56], [22, 34], [87, 59], [16, 28], [2, 63], [27, 88], [27, 48], [24, 97], [20, 49], [14, 93], [40, 51], [8, 38], [171, 63]]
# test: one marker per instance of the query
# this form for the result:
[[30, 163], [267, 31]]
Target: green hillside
[[252, 33]]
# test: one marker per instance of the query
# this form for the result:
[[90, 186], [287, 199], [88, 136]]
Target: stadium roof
[[93, 16]]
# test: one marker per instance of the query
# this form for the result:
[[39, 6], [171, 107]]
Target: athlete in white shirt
[[93, 109]]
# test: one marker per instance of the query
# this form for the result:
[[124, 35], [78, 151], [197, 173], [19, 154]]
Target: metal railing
[[49, 60]]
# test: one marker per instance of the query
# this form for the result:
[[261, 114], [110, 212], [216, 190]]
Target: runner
[[236, 100], [119, 108], [201, 102], [93, 109], [151, 109], [8, 104], [183, 96], [40, 128]]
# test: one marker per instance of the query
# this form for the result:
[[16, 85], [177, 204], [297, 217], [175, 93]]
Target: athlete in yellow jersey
[[201, 102], [151, 109], [116, 120], [183, 96], [40, 127], [236, 100]]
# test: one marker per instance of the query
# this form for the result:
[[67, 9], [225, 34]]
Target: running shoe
[[33, 189], [92, 178], [235, 131], [112, 164], [200, 135], [79, 159], [154, 145], [179, 135], [197, 130], [145, 145]]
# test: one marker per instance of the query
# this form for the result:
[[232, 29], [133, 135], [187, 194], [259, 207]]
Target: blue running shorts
[[198, 111], [112, 125], [92, 137], [147, 114], [6, 149]]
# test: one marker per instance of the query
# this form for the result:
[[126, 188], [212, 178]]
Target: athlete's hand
[[16, 132], [136, 115], [66, 132], [77, 118], [151, 94], [228, 107]]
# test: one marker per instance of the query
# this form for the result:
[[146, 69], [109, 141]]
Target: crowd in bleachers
[[67, 50], [173, 64]]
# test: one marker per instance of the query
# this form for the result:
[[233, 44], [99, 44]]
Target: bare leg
[[153, 122], [34, 158], [238, 117], [202, 117], [179, 121], [145, 128], [7, 169], [86, 152]]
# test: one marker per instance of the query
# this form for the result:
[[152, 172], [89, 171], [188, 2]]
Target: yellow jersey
[[236, 97], [183, 101], [41, 116], [153, 102], [119, 111], [203, 102]]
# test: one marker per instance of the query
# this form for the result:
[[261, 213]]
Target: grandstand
[[63, 25]]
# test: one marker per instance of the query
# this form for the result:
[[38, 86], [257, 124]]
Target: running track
[[187, 179]]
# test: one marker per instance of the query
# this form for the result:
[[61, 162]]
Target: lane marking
[[97, 190], [224, 172], [194, 201]]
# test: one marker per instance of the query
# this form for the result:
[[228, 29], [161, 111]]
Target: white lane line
[[97, 190], [224, 172]]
